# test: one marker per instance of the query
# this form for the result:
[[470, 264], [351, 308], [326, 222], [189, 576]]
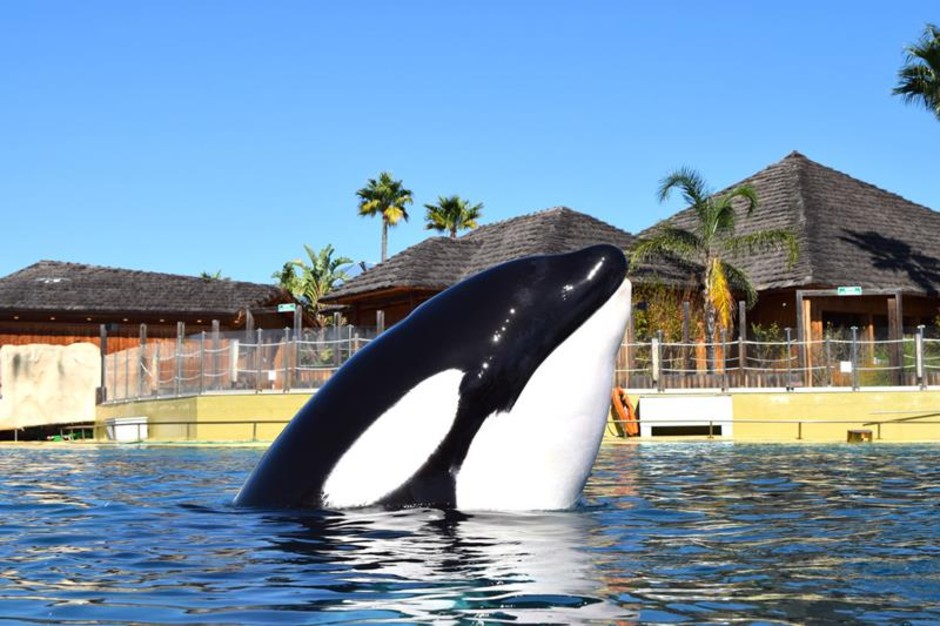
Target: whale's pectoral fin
[[397, 445]]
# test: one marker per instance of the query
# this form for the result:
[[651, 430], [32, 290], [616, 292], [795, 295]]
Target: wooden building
[[882, 250], [410, 277], [52, 302], [867, 257]]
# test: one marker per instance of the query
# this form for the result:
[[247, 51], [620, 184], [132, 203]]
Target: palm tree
[[315, 280], [919, 79], [207, 276], [386, 197], [708, 244], [452, 214]]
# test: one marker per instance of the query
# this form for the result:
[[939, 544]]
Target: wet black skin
[[533, 304]]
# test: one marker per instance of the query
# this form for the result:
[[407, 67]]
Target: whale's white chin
[[538, 455]]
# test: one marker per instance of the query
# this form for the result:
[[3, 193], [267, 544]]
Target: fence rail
[[285, 360], [279, 360], [828, 362]]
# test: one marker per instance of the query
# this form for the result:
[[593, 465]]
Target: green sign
[[849, 291], [286, 308]]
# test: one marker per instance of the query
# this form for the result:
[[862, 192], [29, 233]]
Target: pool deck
[[900, 414]]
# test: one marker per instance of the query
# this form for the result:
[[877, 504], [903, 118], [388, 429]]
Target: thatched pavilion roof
[[438, 262], [849, 232], [49, 287]]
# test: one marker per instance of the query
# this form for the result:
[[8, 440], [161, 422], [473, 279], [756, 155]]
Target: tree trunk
[[709, 332], [384, 239]]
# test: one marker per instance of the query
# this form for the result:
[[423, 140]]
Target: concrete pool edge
[[776, 415]]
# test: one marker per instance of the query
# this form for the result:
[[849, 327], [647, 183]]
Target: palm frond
[[369, 208], [451, 214], [919, 79], [688, 181], [746, 193], [395, 214], [669, 242], [722, 216], [738, 281], [719, 292], [385, 196]]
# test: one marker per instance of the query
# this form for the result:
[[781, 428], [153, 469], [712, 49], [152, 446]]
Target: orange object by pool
[[623, 409]]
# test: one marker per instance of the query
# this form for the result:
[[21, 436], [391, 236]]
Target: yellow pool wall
[[810, 416]]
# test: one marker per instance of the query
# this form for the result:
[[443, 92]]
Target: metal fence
[[216, 362], [839, 360], [283, 360]]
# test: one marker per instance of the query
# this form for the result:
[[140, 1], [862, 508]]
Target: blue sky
[[199, 135]]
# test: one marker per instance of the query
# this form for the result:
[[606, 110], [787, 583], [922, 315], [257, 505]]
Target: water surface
[[684, 533]]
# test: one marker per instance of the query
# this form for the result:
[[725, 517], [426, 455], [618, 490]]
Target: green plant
[[710, 242], [309, 282], [451, 214], [387, 198], [660, 309], [919, 79]]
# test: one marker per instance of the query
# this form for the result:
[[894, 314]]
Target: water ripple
[[686, 533]]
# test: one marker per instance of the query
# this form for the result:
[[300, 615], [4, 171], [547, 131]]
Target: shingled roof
[[849, 232], [438, 262], [49, 286]]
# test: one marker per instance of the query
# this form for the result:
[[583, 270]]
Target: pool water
[[678, 533]]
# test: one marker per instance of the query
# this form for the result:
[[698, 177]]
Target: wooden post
[[724, 359], [298, 319], [103, 388], [806, 360], [379, 321], [789, 385], [855, 379], [216, 378], [258, 362], [800, 330], [288, 383], [896, 334], [298, 337], [337, 346], [180, 335], [249, 340], [629, 339], [249, 326], [742, 339], [142, 361], [686, 334]]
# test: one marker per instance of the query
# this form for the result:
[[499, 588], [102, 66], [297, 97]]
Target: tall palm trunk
[[710, 314], [384, 238], [710, 319]]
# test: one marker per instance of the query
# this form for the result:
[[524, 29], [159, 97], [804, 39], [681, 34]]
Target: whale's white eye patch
[[397, 444]]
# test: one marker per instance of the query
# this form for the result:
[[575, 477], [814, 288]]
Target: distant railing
[[279, 360], [283, 360], [830, 362]]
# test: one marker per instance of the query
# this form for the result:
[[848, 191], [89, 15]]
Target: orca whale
[[492, 395]]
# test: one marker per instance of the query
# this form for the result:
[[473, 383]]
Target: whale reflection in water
[[446, 566]]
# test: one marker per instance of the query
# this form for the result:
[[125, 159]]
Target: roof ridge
[[503, 222], [120, 270], [548, 231], [805, 161], [805, 222]]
